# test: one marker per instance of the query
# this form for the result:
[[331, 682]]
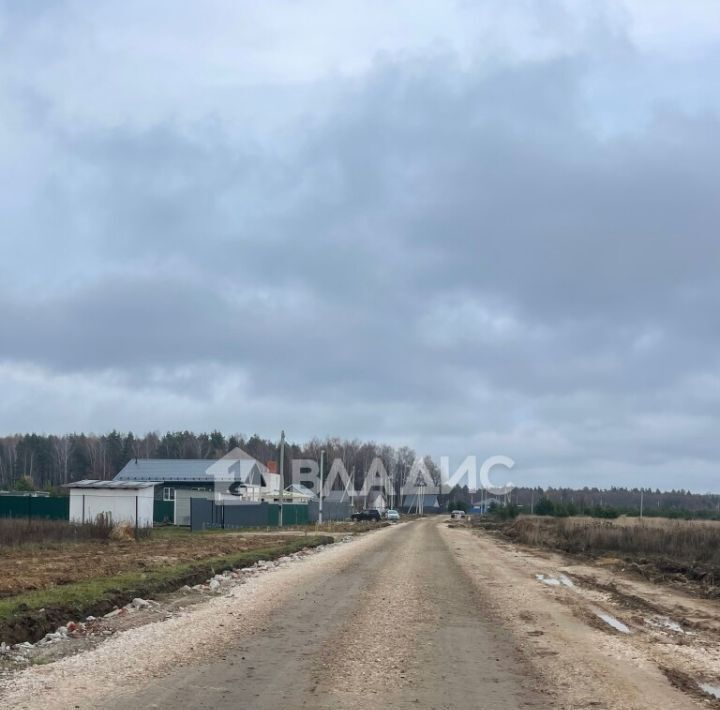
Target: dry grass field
[[683, 546], [42, 565], [43, 585]]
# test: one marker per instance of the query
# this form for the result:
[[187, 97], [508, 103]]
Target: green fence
[[164, 511], [293, 514], [55, 508], [58, 508]]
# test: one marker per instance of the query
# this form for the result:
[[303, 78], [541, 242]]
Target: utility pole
[[322, 468], [282, 476], [642, 494]]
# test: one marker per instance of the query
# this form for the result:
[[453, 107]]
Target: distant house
[[412, 502], [236, 476], [481, 507], [297, 493]]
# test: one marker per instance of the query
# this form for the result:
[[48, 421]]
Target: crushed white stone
[[131, 658]]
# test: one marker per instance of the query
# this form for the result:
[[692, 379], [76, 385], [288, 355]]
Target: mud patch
[[666, 624], [692, 687], [713, 690]]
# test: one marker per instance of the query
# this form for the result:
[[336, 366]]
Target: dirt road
[[415, 616], [599, 637], [396, 622]]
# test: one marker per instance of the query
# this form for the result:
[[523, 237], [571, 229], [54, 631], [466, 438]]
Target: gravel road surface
[[394, 620], [420, 615], [389, 618]]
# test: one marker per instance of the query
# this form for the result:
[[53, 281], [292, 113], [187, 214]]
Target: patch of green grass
[[174, 532], [30, 615]]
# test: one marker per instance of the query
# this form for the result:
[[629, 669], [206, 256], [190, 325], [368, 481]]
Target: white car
[[392, 515], [457, 514]]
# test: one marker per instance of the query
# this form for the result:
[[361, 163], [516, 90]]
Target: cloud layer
[[477, 231]]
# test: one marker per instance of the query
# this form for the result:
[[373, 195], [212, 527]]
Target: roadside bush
[[505, 512], [545, 507], [457, 505], [128, 532], [560, 509]]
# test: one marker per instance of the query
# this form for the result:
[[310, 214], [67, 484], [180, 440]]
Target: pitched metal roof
[[188, 470], [299, 489], [127, 485]]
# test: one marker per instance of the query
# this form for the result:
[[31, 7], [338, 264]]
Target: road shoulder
[[555, 620]]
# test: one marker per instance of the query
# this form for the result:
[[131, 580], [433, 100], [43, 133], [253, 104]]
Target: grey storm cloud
[[434, 248]]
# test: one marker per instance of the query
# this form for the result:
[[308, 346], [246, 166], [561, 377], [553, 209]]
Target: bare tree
[[96, 455], [62, 446]]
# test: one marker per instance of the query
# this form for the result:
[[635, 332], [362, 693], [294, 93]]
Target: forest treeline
[[601, 502], [35, 461], [47, 462]]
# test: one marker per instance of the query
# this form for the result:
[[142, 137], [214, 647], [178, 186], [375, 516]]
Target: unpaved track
[[398, 623], [389, 618], [586, 662], [416, 616]]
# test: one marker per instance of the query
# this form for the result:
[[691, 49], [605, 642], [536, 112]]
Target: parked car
[[392, 515], [373, 515], [457, 514]]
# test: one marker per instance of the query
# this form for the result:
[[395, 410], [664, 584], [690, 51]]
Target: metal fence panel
[[163, 511], [15, 506], [295, 514], [332, 510], [251, 515], [201, 514], [204, 515], [52, 508]]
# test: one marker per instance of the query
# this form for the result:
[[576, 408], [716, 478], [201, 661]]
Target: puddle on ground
[[560, 580], [665, 623], [566, 581], [612, 621], [710, 689], [551, 581]]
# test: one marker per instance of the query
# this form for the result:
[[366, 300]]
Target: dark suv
[[372, 514]]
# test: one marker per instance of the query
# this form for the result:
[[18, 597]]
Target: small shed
[[121, 501]]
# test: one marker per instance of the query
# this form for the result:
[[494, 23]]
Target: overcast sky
[[474, 227]]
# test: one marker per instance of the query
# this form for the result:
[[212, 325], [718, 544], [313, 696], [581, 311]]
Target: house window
[[168, 494]]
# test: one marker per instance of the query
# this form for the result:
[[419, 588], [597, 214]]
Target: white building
[[297, 493], [121, 501]]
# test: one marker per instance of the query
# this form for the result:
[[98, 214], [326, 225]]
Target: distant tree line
[[35, 461], [596, 502], [616, 501], [558, 509]]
